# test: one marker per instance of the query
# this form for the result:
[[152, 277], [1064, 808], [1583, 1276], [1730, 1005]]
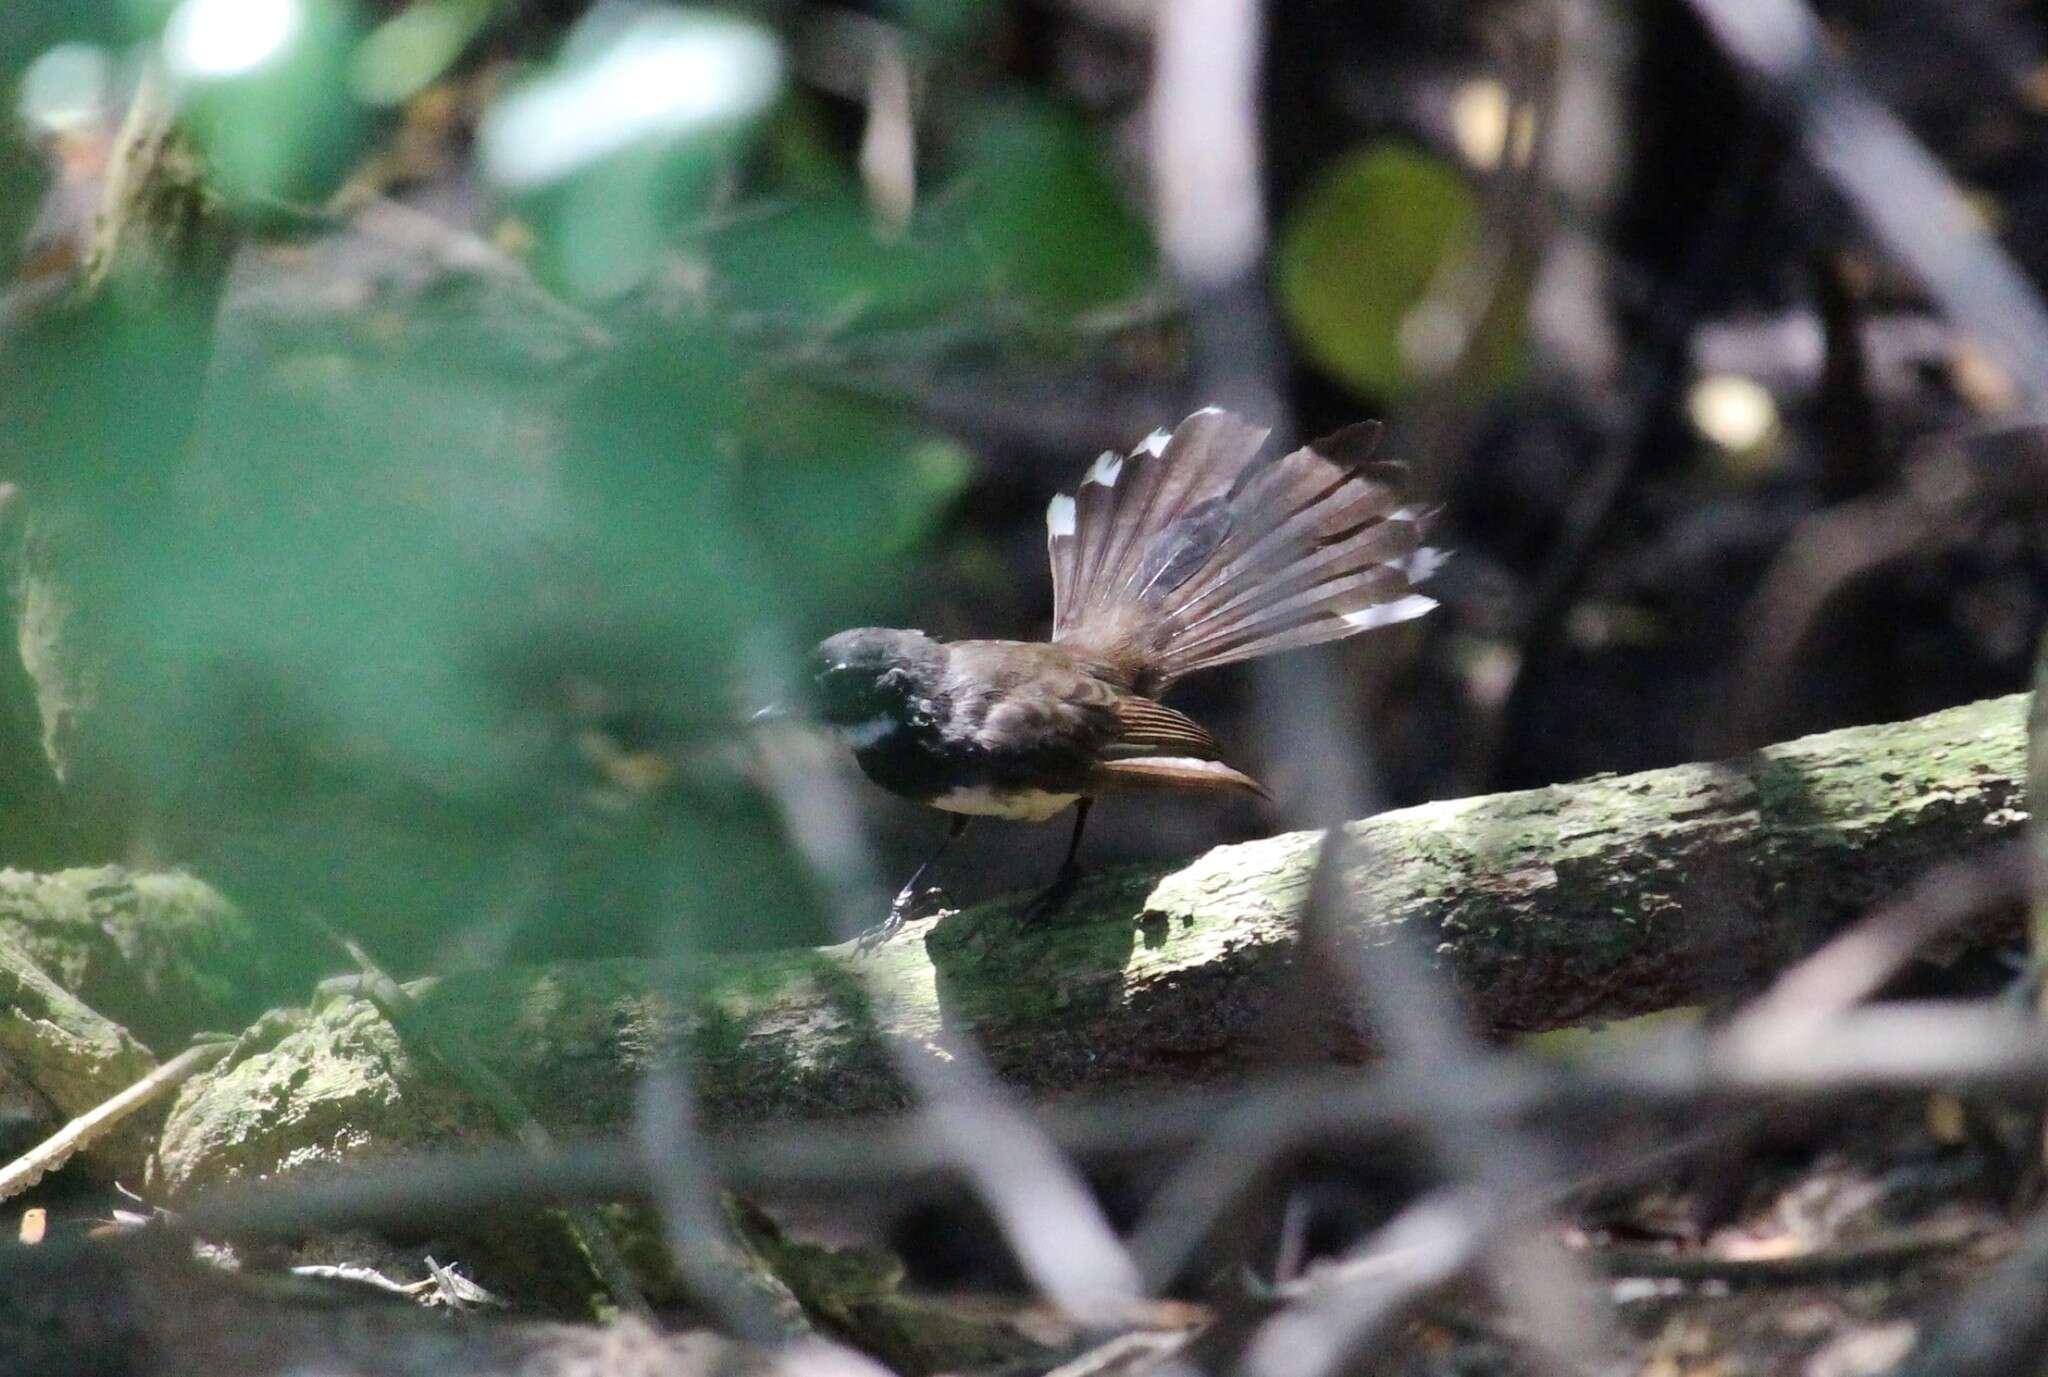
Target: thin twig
[[1656, 369], [1902, 193], [1856, 964], [1880, 1257], [1338, 1309], [1416, 1014]]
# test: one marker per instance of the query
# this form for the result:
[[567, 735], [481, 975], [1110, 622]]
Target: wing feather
[[1175, 773], [1151, 728]]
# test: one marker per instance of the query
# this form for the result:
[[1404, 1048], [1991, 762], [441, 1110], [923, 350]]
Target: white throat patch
[[862, 735]]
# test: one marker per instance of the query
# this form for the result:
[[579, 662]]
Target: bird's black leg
[[906, 898], [1053, 896]]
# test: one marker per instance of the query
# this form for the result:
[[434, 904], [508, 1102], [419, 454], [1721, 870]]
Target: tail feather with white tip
[[1186, 553]]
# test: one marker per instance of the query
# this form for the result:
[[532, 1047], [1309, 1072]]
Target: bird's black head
[[873, 673]]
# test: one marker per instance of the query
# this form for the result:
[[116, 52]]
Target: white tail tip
[[1107, 468], [1387, 613]]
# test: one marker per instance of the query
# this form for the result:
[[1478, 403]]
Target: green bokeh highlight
[[1364, 245]]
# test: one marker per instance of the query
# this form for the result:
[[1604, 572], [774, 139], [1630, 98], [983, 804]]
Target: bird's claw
[[902, 909]]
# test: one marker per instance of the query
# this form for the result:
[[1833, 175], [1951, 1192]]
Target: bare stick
[[1902, 193], [57, 1149]]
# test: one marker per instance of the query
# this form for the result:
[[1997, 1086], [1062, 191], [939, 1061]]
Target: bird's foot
[[907, 904], [1053, 897]]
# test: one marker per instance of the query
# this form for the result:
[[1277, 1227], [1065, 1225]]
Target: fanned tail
[[1184, 554]]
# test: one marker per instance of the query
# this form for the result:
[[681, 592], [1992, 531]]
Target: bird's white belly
[[1021, 805]]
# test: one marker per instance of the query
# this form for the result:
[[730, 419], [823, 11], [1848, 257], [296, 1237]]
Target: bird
[[1186, 552]]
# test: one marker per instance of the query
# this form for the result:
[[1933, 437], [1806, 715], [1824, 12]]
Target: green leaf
[[821, 269], [415, 48], [1019, 230], [841, 489]]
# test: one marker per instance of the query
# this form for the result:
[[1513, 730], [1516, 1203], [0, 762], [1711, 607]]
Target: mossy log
[[1553, 907]]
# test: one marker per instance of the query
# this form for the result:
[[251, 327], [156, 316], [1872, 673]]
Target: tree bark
[[1552, 907]]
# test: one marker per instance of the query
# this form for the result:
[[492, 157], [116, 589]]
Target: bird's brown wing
[[1148, 727], [1041, 717], [1160, 748], [1030, 715]]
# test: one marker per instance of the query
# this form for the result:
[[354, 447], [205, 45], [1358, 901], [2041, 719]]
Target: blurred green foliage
[[416, 47], [1023, 232], [265, 91], [371, 574], [28, 30], [626, 135], [1375, 238]]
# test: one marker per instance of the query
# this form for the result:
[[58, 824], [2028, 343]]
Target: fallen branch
[[1559, 906], [76, 1058]]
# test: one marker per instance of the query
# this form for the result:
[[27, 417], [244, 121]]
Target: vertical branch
[[1208, 199], [2037, 822], [707, 1251], [132, 339], [1213, 228]]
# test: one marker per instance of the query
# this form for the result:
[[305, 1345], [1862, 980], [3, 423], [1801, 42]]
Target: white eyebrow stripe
[[1059, 516], [1107, 468]]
